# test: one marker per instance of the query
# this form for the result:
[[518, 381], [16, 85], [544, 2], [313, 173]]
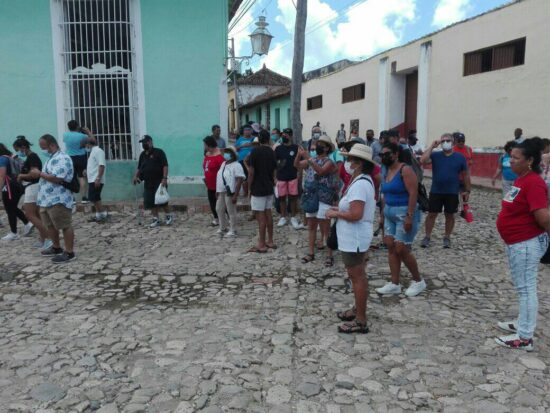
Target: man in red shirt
[[213, 160], [466, 151]]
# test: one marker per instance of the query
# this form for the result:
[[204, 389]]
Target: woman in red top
[[213, 160], [523, 224]]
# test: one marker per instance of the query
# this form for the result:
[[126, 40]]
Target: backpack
[[15, 166]]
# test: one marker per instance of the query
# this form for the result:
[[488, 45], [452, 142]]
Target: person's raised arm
[[300, 162], [426, 156], [326, 169]]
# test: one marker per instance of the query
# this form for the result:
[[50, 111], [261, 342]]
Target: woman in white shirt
[[229, 179], [354, 228]]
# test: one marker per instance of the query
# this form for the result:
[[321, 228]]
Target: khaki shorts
[[57, 216], [353, 259]]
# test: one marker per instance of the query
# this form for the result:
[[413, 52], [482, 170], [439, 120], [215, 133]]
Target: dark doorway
[[411, 98]]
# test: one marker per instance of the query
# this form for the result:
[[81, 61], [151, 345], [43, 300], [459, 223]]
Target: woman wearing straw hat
[[228, 185], [319, 174], [354, 228]]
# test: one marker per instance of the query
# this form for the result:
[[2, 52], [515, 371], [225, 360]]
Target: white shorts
[[321, 213], [31, 194], [261, 203]]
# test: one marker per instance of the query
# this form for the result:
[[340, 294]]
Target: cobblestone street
[[179, 320]]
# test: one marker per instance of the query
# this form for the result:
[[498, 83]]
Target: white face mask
[[348, 168], [447, 146]]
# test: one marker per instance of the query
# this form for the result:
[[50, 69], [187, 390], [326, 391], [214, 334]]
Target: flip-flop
[[256, 249], [272, 246]]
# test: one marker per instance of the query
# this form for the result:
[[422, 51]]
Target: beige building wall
[[487, 107]]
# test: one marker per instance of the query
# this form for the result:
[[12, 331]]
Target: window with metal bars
[[98, 72], [353, 93]]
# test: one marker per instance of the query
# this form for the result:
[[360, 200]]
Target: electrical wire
[[242, 14], [239, 14]]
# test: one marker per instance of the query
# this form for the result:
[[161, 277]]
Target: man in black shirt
[[153, 171], [287, 179], [261, 177]]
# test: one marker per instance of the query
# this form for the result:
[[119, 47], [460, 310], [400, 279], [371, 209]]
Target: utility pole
[[233, 68], [298, 69]]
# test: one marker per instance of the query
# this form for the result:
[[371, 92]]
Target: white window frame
[[62, 89]]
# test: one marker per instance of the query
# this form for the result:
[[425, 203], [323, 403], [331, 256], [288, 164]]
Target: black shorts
[[448, 202], [149, 192], [245, 169], [94, 194], [79, 165]]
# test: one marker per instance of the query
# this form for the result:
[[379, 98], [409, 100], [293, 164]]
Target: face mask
[[348, 168], [88, 150], [274, 138], [145, 146], [446, 146], [21, 154], [285, 139], [387, 159], [320, 150], [45, 152], [227, 156], [312, 154], [316, 135]]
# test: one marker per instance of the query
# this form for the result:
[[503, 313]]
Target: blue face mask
[[313, 154], [45, 152], [88, 150], [21, 154], [274, 138], [227, 156]]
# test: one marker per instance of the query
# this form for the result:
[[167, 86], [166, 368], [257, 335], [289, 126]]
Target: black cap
[[459, 136], [146, 138], [288, 131]]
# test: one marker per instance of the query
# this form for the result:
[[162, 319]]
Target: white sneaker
[[47, 244], [230, 234], [415, 288], [389, 289], [215, 222], [27, 229], [155, 223], [296, 224], [169, 219], [220, 231], [282, 222], [514, 342], [509, 326], [10, 237]]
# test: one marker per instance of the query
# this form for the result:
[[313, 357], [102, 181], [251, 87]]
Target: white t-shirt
[[357, 236], [231, 171], [95, 160]]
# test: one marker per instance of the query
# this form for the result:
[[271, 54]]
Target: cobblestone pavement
[[178, 320]]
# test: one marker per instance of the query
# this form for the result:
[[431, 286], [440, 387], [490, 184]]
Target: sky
[[346, 29]]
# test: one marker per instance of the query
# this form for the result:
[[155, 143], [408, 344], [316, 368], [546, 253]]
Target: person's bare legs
[[312, 234], [269, 227], [405, 255], [155, 212], [83, 187], [33, 215], [54, 236], [393, 259], [449, 224], [360, 289], [68, 238], [282, 206], [430, 223], [262, 223], [324, 224], [293, 205]]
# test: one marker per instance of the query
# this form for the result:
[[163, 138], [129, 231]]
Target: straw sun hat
[[360, 151]]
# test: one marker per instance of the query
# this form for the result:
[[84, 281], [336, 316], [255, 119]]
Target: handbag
[[161, 196], [422, 198], [310, 200]]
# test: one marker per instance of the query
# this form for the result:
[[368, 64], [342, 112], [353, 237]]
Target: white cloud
[[366, 28], [450, 11]]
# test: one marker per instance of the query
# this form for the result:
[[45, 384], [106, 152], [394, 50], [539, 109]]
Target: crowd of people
[[331, 187]]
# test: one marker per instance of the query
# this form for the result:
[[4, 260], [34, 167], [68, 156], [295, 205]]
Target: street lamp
[[260, 40]]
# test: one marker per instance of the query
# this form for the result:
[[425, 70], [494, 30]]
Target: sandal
[[348, 315], [258, 250], [329, 262], [353, 327], [308, 258], [320, 247], [271, 246]]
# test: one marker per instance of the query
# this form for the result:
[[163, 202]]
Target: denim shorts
[[394, 218]]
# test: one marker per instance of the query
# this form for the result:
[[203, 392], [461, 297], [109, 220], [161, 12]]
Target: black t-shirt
[[262, 159], [151, 166], [32, 161], [285, 155]]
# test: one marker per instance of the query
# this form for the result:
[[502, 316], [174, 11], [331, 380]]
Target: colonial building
[[484, 76], [123, 68]]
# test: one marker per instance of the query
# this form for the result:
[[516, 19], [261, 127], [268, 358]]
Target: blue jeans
[[394, 220], [523, 259]]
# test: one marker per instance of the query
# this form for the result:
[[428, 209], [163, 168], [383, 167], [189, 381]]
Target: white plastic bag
[[161, 196]]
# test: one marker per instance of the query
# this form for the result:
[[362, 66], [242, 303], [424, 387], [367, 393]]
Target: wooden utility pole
[[298, 69]]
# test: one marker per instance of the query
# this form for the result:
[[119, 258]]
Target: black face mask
[[285, 139], [320, 150], [145, 146], [387, 159]]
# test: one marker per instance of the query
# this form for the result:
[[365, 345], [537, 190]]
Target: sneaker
[[509, 326], [282, 222], [27, 229], [46, 244], [52, 251], [63, 257], [230, 234], [215, 223], [425, 242], [169, 219], [155, 223], [37, 244], [296, 224], [415, 288], [389, 289], [220, 231], [514, 342], [85, 200], [10, 237], [446, 243]]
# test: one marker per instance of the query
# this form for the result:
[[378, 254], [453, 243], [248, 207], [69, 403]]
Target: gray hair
[[448, 135]]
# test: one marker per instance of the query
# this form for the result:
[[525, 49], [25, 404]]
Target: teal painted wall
[[282, 103], [27, 82], [184, 45]]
